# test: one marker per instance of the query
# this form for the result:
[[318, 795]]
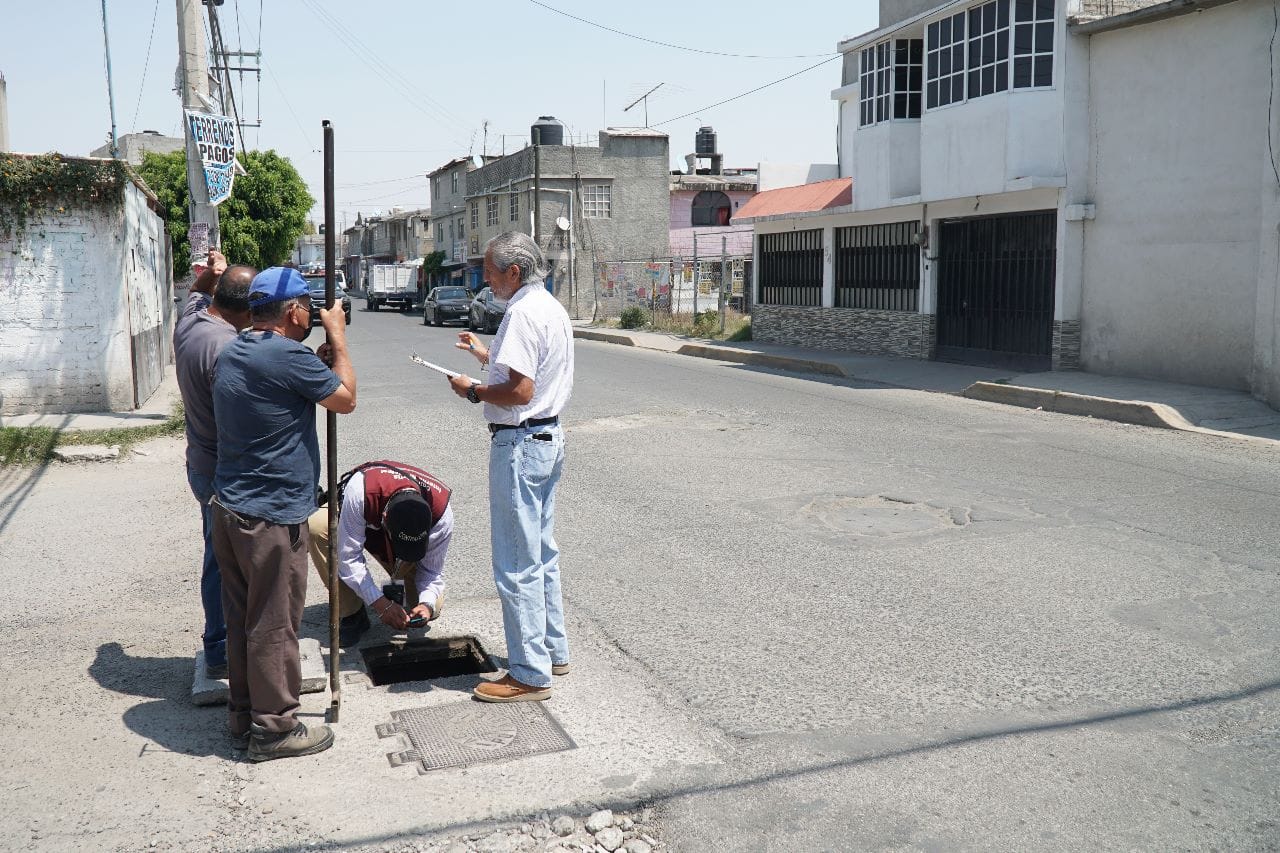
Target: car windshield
[[451, 293], [317, 292]]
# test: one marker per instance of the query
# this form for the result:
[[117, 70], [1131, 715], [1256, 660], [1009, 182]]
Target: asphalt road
[[921, 621], [912, 621]]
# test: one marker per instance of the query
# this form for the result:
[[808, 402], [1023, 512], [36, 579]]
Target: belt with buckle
[[531, 422]]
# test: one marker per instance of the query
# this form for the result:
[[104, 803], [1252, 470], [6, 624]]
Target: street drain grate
[[424, 659], [465, 733]]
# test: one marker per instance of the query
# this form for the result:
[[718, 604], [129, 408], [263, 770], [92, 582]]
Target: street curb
[[758, 359], [1138, 412], [720, 353], [606, 337]]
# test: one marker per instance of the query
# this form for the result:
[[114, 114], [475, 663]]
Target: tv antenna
[[645, 98]]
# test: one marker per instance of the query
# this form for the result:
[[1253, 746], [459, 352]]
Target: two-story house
[[448, 218], [1042, 183], [607, 201]]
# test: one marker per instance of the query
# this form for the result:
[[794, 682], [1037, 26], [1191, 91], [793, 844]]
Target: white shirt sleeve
[[521, 346], [351, 565], [429, 577]]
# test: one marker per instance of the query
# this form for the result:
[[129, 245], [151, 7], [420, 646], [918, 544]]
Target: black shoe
[[351, 628], [265, 745]]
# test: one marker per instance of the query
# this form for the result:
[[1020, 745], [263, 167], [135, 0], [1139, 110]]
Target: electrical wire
[[285, 98], [387, 181], [670, 45], [701, 110], [388, 74], [145, 65], [386, 195]]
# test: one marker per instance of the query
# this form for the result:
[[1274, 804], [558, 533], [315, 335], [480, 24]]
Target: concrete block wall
[[859, 330], [78, 293]]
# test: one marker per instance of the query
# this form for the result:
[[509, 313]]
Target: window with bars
[[597, 201], [1033, 44], [878, 266], [889, 83], [988, 48], [513, 206], [945, 61], [440, 233], [491, 210], [475, 215], [791, 268]]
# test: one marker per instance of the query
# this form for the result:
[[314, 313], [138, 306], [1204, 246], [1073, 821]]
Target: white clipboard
[[437, 368]]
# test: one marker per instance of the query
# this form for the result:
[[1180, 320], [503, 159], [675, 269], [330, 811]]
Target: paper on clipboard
[[437, 368]]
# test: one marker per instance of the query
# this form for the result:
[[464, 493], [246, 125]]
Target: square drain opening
[[425, 659]]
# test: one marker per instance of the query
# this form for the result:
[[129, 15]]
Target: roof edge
[[1147, 15]]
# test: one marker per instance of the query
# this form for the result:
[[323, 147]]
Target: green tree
[[260, 223]]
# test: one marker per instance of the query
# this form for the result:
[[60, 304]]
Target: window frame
[[475, 215], [513, 205], [1037, 25], [490, 210], [995, 27], [453, 177], [879, 93], [597, 201], [933, 53]]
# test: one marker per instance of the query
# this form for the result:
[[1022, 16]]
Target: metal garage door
[[995, 290]]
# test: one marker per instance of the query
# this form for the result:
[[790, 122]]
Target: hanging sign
[[215, 141]]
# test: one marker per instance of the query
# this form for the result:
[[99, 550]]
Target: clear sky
[[409, 84]]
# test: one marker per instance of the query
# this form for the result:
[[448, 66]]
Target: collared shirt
[[265, 389], [428, 578], [535, 340], [198, 338]]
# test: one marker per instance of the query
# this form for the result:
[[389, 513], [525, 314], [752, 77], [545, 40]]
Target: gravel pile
[[602, 832]]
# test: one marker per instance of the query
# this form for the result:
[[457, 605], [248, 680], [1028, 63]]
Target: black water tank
[[550, 130], [705, 143]]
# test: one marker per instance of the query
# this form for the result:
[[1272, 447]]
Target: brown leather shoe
[[507, 689]]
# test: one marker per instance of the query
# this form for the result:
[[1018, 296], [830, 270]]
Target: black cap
[[407, 520]]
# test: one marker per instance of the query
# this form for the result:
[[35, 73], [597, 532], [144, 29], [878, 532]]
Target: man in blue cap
[[264, 394]]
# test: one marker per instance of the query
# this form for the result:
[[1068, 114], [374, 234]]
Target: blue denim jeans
[[215, 627], [523, 473]]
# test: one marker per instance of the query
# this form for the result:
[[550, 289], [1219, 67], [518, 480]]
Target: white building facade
[[1041, 184]]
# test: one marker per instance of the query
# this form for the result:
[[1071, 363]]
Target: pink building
[[702, 207]]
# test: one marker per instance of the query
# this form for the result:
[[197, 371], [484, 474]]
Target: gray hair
[[517, 248]]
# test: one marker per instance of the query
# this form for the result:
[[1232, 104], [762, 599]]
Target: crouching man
[[401, 516]]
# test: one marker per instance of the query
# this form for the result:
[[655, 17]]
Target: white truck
[[392, 284]]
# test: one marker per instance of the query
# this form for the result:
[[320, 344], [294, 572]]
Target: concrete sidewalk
[[1164, 405], [155, 411]]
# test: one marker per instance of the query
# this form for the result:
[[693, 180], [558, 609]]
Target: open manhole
[[420, 660]]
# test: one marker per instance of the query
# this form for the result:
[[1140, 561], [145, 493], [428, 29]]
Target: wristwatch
[[471, 392]]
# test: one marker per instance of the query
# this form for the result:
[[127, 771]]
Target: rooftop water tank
[[705, 142], [550, 130]]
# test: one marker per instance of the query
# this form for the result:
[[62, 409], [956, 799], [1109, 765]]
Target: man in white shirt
[[530, 381], [400, 515]]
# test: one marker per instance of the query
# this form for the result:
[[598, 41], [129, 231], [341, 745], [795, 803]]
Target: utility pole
[[537, 184], [111, 95], [193, 71]]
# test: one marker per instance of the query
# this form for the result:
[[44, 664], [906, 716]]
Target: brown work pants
[[349, 602], [264, 587]]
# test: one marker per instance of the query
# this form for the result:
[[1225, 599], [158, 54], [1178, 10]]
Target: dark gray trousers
[[264, 587]]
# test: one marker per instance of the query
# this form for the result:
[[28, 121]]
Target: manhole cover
[[466, 733], [420, 660]]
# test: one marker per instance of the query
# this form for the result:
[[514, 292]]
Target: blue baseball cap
[[276, 284]]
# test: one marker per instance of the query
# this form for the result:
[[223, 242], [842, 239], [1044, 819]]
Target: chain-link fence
[[673, 288]]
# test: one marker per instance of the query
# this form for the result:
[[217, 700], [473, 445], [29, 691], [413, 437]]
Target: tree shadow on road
[[171, 721]]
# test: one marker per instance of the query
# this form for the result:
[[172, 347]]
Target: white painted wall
[[1171, 262], [78, 293], [776, 175]]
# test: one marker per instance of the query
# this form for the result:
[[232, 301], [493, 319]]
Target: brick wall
[[857, 330], [82, 294]]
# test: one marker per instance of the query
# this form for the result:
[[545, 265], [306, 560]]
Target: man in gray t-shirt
[[217, 308]]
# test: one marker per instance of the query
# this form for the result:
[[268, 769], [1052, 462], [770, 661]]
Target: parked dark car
[[486, 312], [317, 298], [447, 304]]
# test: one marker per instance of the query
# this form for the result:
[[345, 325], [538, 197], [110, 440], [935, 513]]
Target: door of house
[[995, 290]]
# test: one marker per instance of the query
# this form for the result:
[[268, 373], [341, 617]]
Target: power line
[[145, 65], [388, 74], [285, 98], [387, 181], [701, 110], [669, 44]]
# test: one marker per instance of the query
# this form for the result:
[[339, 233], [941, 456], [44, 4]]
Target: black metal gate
[[995, 290], [878, 266]]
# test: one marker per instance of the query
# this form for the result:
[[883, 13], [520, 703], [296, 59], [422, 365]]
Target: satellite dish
[[562, 223]]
